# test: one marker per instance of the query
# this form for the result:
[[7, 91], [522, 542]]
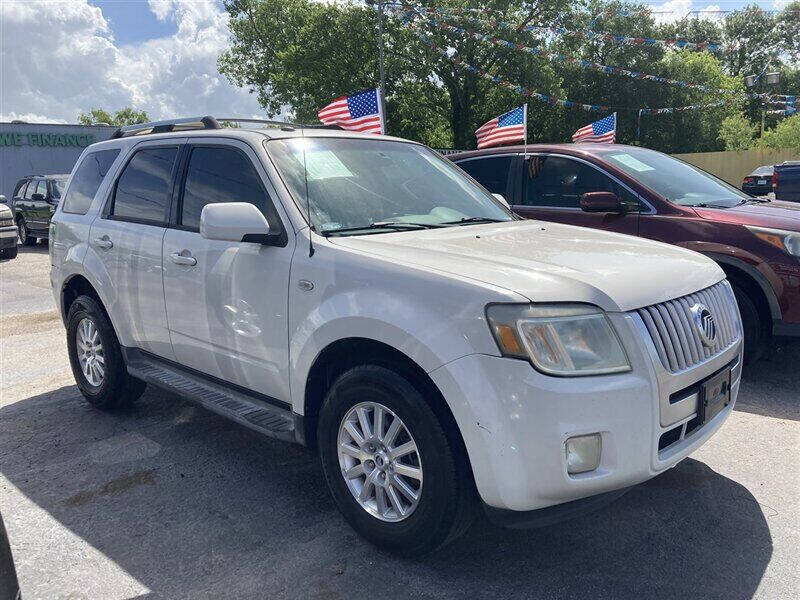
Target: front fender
[[431, 317]]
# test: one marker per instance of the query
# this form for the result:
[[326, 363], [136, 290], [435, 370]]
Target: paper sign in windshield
[[633, 163], [324, 164]]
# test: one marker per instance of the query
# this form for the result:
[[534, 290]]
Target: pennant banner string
[[588, 34], [547, 99], [583, 63]]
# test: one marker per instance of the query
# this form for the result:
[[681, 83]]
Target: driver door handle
[[184, 257], [103, 242]]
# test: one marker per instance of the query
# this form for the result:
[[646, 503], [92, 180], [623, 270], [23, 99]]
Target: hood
[[776, 214], [550, 262]]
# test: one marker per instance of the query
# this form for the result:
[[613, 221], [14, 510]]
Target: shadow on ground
[[769, 387], [194, 506]]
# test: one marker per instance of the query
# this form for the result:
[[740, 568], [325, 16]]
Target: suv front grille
[[676, 336]]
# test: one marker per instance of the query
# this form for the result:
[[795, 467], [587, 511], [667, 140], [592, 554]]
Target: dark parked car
[[786, 181], [759, 182], [34, 202], [649, 194]]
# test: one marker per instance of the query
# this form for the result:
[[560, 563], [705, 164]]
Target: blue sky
[[133, 21]]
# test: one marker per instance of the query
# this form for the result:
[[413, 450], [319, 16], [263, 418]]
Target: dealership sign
[[80, 140]]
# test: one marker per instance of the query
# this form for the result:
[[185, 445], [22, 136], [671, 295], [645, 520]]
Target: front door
[[551, 190], [128, 237], [227, 301]]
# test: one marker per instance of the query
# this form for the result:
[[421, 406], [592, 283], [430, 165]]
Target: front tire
[[96, 357], [392, 470], [25, 237]]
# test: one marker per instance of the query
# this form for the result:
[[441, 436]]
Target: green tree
[[126, 116], [785, 135], [290, 52], [736, 132]]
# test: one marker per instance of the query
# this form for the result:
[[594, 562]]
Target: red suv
[[642, 192]]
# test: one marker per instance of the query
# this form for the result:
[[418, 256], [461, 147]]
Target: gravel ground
[[167, 500]]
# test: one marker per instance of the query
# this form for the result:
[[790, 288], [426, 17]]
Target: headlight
[[787, 241], [559, 339]]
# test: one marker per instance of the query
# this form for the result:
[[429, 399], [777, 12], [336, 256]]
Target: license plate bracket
[[715, 395]]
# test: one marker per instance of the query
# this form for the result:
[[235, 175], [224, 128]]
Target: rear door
[[41, 207], [551, 187], [227, 301], [128, 238]]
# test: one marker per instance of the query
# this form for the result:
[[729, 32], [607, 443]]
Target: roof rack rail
[[168, 125], [207, 122], [282, 124]]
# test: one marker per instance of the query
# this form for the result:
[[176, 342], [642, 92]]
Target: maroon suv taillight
[[774, 180], [749, 179]]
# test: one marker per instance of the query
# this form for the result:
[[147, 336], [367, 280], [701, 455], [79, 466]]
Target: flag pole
[[525, 121], [380, 63]]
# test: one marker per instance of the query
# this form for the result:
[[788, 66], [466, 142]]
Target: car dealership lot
[[168, 500]]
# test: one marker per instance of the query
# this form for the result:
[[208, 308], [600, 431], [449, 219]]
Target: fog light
[[583, 453]]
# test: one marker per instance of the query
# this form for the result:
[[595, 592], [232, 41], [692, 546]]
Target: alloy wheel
[[380, 461], [89, 347]]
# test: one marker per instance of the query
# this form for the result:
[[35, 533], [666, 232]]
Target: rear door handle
[[103, 242], [184, 257]]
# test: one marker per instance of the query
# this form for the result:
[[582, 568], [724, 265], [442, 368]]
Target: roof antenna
[[308, 198]]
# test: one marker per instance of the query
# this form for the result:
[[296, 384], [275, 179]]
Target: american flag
[[508, 127], [359, 112], [604, 130]]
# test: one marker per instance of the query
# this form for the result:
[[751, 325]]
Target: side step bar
[[224, 399]]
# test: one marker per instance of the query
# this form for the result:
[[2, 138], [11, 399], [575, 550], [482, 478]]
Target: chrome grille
[[675, 336]]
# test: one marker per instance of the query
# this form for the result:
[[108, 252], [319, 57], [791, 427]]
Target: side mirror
[[236, 222], [601, 202], [502, 199], [37, 197]]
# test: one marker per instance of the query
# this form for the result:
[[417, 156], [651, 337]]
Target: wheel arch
[[753, 281], [343, 354]]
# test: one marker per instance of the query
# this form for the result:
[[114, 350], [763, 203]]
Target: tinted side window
[[560, 182], [31, 190], [219, 175], [86, 181], [19, 190], [143, 189], [491, 173]]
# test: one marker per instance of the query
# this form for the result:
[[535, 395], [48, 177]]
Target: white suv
[[440, 354]]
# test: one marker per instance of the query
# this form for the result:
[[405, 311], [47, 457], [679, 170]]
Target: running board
[[224, 399]]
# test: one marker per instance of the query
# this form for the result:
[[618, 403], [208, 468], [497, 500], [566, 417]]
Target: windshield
[[354, 184], [58, 188], [677, 181]]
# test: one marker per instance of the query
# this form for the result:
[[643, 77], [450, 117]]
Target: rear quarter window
[[86, 181]]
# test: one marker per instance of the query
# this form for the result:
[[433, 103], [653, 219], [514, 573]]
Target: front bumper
[[515, 421], [8, 237]]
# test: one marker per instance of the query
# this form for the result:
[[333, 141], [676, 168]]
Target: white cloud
[[675, 10], [781, 4], [60, 59]]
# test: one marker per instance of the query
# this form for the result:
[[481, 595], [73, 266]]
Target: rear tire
[[755, 326], [446, 501], [9, 253], [96, 357], [25, 237]]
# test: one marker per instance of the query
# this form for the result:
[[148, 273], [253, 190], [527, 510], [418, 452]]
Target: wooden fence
[[733, 166]]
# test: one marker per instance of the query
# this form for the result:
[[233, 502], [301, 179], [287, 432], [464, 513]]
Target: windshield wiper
[[759, 200], [705, 205], [468, 220], [400, 225]]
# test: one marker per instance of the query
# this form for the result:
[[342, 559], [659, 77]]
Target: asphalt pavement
[[167, 500]]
